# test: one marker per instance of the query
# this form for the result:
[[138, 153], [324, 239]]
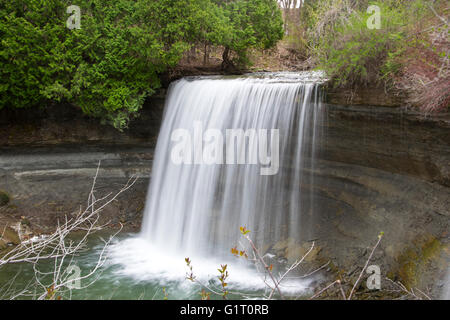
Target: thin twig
[[255, 250], [324, 289], [292, 267], [365, 266]]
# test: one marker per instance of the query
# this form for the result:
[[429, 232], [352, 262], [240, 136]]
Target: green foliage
[[109, 66], [106, 68], [254, 24], [166, 295], [222, 278], [244, 230], [28, 43], [351, 53]]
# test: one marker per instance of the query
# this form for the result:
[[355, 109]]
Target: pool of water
[[135, 269]]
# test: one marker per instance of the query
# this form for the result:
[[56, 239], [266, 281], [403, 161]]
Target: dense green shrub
[[351, 53], [107, 67], [110, 65], [254, 24]]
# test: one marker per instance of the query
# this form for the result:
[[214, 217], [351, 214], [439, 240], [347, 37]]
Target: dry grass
[[426, 72]]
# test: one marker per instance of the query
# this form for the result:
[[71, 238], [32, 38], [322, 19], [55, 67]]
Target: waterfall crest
[[198, 208]]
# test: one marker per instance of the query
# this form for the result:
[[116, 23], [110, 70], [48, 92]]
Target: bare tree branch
[[61, 250]]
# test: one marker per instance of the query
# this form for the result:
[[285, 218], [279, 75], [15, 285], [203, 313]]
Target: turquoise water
[[135, 270]]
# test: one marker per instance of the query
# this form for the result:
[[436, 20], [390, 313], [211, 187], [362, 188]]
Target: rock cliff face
[[378, 169], [384, 169], [48, 159]]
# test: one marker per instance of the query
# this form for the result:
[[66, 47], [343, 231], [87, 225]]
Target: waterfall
[[196, 206]]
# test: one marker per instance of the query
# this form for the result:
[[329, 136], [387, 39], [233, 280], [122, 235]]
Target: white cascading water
[[197, 209]]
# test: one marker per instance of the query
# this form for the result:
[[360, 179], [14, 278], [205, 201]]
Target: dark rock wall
[[384, 169], [57, 125], [389, 139], [48, 159]]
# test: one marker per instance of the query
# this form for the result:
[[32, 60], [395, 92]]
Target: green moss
[[413, 261], [431, 248], [4, 198]]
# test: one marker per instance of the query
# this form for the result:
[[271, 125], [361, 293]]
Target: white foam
[[143, 262]]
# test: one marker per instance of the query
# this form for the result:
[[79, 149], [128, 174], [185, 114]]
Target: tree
[[255, 24], [113, 62]]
